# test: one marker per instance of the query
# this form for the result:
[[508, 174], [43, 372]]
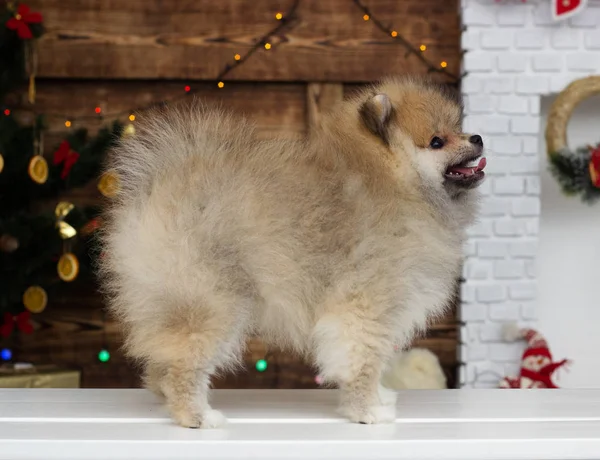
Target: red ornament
[[65, 155], [562, 9], [595, 166], [21, 321], [21, 20]]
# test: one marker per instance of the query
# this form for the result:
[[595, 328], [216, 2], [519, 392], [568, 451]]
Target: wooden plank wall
[[120, 55]]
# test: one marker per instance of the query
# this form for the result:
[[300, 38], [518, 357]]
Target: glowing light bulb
[[261, 365], [422, 47], [103, 356], [237, 57], [267, 46], [394, 33], [132, 117], [187, 88], [279, 16], [6, 112], [68, 123], [220, 84], [444, 64], [366, 17], [6, 354], [98, 110]]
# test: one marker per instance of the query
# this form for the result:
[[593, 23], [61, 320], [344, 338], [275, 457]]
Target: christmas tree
[[46, 243]]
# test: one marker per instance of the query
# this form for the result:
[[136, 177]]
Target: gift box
[[22, 375]]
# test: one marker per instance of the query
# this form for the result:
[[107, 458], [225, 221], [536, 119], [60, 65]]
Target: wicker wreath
[[578, 172]]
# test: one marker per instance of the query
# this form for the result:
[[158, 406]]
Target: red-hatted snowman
[[536, 364], [562, 9]]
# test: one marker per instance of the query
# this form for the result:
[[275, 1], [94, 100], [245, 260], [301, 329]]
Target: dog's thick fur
[[337, 246]]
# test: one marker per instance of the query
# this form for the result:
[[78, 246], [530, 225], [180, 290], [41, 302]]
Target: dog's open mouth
[[467, 172]]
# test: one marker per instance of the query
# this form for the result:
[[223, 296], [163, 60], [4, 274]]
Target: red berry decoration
[[21, 21]]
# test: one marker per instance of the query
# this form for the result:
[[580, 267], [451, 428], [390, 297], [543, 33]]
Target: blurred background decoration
[[75, 76]]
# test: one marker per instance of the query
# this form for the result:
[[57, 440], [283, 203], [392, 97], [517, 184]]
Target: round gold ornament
[[68, 267], [1, 162], [109, 184], [35, 299], [38, 169]]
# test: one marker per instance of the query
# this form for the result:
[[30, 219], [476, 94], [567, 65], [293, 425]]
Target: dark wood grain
[[329, 41]]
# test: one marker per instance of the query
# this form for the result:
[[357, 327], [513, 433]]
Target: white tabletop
[[302, 424]]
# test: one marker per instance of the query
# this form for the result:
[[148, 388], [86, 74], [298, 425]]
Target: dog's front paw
[[208, 419], [371, 415]]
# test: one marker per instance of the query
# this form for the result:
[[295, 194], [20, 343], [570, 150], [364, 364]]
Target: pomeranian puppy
[[338, 246]]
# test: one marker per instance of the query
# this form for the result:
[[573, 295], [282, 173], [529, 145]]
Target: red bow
[[66, 155], [21, 20], [21, 320], [544, 375]]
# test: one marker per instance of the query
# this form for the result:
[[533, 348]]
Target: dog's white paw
[[213, 419], [373, 415], [387, 397], [208, 419]]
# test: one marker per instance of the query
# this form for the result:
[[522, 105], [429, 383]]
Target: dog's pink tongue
[[469, 171]]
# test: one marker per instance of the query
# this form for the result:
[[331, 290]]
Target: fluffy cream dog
[[337, 246]]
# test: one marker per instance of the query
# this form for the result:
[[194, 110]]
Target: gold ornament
[[61, 211], [1, 162], [68, 267], [129, 130], [35, 299], [38, 169], [109, 184]]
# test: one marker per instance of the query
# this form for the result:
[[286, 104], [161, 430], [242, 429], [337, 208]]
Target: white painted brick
[[477, 270], [512, 369], [565, 39], [532, 185], [531, 144], [542, 15], [482, 229], [532, 227], [525, 290], [505, 352], [490, 332], [470, 248], [509, 227], [509, 269], [480, 103], [531, 268], [498, 85], [509, 185], [478, 15], [592, 39], [462, 376], [464, 334], [494, 207], [583, 61], [528, 310], [494, 40], [511, 15], [497, 166], [470, 40], [548, 62], [473, 333], [492, 249], [530, 39], [504, 312], [490, 293], [472, 124], [475, 61], [485, 188], [506, 145], [526, 165], [591, 18], [513, 104], [477, 352], [526, 206], [485, 371], [471, 84], [473, 312], [467, 292], [512, 62], [534, 105], [527, 124], [534, 84], [526, 249], [493, 124]]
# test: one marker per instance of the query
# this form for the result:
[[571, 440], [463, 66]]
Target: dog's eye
[[436, 143]]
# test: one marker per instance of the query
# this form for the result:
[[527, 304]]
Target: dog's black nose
[[476, 139]]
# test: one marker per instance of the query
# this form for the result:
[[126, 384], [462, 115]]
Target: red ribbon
[[544, 375], [20, 22], [65, 155], [21, 321]]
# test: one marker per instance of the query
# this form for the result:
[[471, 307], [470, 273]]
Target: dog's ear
[[376, 114]]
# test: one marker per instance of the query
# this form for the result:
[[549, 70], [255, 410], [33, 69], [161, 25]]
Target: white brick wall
[[514, 54]]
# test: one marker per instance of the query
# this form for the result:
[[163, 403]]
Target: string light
[[261, 365], [366, 17], [422, 47], [220, 84], [237, 57], [6, 112], [132, 117], [6, 354], [279, 16], [98, 110], [394, 33], [267, 46], [103, 356], [68, 123], [187, 88], [443, 64]]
